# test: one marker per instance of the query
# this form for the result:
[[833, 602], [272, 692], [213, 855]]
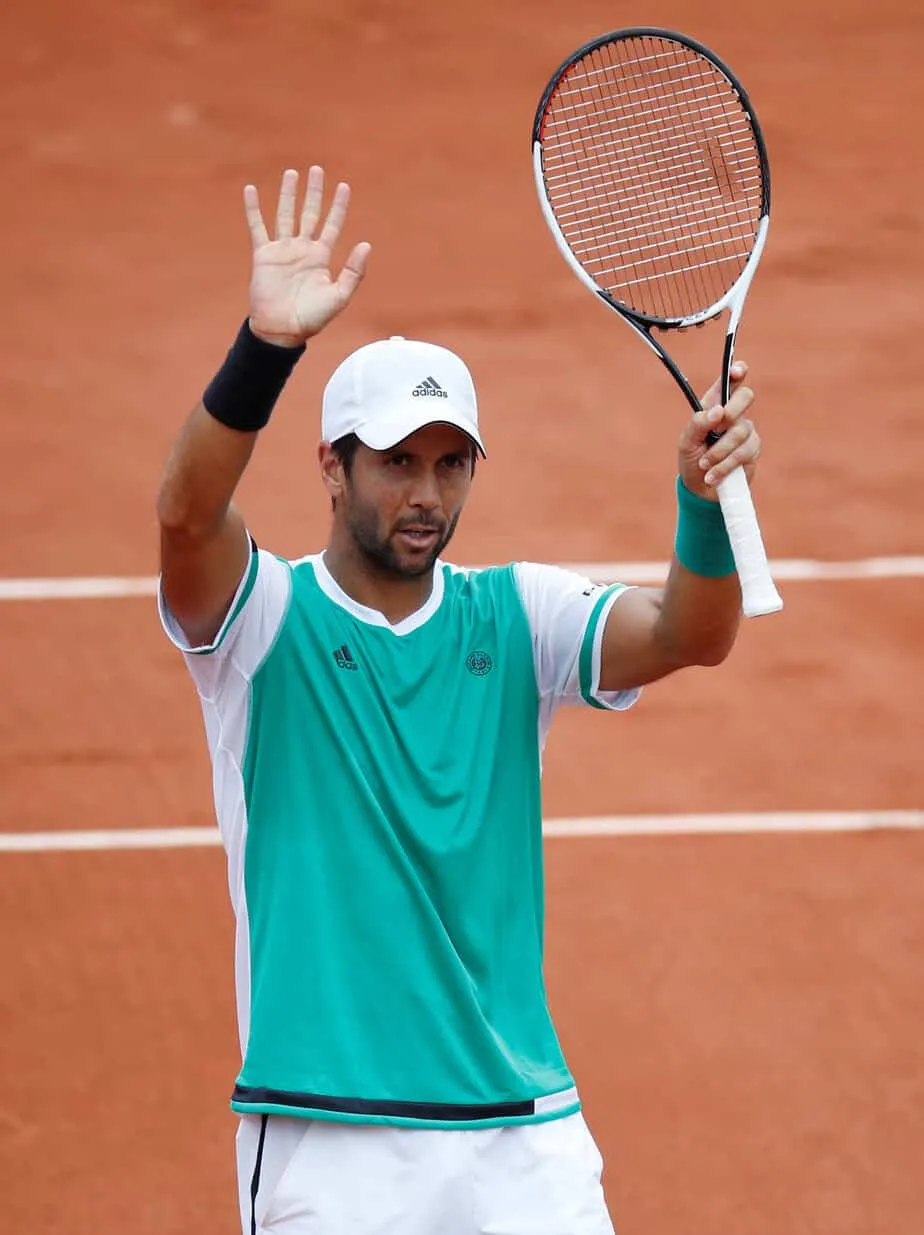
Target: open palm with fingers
[[293, 293]]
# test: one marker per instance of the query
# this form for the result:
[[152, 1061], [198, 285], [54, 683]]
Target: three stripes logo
[[429, 388], [343, 658]]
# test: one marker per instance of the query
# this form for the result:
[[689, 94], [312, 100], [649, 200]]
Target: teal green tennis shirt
[[377, 788]]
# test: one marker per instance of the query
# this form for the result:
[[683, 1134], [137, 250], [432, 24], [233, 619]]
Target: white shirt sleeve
[[567, 616], [247, 633]]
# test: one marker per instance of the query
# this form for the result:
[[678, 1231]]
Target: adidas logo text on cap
[[430, 386]]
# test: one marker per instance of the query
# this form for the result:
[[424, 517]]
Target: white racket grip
[[758, 591]]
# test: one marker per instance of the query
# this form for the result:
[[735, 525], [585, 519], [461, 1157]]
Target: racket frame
[[759, 594]]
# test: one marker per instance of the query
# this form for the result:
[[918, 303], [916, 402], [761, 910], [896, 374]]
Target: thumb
[[354, 268], [713, 396]]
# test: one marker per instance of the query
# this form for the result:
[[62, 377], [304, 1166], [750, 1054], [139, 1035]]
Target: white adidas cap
[[387, 390]]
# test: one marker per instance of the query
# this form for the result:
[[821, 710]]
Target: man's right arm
[[204, 544]]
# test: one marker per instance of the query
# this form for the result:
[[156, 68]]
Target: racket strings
[[654, 174], [669, 179]]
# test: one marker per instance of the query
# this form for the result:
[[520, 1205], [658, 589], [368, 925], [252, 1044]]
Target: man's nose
[[425, 493]]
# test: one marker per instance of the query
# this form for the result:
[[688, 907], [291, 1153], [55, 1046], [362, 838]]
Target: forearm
[[701, 603], [217, 440], [692, 620]]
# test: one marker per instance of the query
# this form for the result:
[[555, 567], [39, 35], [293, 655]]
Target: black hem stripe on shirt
[[255, 1178], [255, 1095]]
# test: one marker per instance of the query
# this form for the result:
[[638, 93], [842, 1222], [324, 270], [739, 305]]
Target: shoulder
[[480, 585], [460, 578], [538, 587], [548, 589]]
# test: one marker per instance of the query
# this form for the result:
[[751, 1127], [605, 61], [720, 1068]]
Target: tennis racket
[[653, 178]]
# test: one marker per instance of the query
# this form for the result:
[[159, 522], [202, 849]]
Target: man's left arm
[[693, 619]]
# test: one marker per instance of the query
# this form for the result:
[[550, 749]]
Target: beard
[[381, 552]]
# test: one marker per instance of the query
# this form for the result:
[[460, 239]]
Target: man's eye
[[455, 461], [398, 460]]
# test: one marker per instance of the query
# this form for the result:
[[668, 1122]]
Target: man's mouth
[[419, 537]]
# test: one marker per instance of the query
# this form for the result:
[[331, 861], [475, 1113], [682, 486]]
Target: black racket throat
[[645, 331]]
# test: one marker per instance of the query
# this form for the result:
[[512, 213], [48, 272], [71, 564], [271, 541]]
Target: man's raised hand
[[702, 465], [293, 294]]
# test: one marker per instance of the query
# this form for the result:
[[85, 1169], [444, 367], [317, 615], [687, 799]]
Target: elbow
[[711, 657], [174, 515], [179, 521], [714, 647], [180, 517], [701, 648], [170, 515], [704, 651]]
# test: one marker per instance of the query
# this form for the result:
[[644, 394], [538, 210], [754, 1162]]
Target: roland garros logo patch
[[479, 663]]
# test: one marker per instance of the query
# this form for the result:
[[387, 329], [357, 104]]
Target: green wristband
[[701, 543]]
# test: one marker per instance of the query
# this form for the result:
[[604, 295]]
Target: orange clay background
[[743, 1014]]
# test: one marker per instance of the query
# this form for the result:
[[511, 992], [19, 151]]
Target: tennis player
[[375, 718]]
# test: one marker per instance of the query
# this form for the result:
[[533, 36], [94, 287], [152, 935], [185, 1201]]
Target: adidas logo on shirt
[[429, 387], [343, 658]]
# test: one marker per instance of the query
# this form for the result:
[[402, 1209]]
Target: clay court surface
[[743, 1012]]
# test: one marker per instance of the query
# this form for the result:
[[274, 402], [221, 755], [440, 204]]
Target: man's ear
[[332, 470]]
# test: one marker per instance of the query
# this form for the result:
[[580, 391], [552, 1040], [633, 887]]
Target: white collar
[[333, 591]]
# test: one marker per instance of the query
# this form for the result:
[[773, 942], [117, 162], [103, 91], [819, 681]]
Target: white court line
[[113, 838], [735, 824], [607, 825], [783, 569]]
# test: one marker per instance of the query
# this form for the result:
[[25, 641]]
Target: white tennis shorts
[[316, 1177]]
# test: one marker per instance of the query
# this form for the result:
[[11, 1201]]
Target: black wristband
[[243, 392]]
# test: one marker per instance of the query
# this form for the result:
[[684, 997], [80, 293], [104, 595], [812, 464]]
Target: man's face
[[402, 505]]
